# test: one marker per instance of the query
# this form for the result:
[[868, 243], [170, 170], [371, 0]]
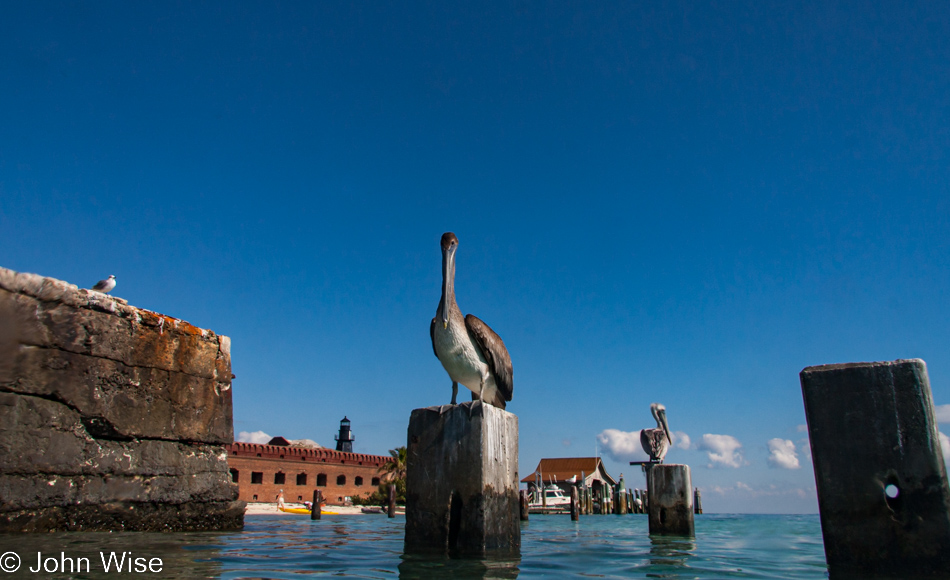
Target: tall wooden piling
[[697, 502], [575, 504], [670, 503], [391, 512], [315, 510], [462, 481], [882, 483], [524, 505]]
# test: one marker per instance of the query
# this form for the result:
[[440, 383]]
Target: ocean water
[[370, 546]]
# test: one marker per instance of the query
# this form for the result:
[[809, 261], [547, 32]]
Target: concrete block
[[111, 417], [462, 481], [670, 500], [882, 483]]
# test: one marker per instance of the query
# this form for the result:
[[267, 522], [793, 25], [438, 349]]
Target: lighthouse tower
[[344, 441]]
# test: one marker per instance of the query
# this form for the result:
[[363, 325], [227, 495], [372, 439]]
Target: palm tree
[[395, 468]]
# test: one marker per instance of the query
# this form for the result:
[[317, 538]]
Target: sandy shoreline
[[257, 509]]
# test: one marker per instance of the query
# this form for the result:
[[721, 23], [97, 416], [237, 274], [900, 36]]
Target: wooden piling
[[462, 481], [670, 500], [391, 512], [575, 504], [882, 484], [524, 504], [697, 502], [315, 510]]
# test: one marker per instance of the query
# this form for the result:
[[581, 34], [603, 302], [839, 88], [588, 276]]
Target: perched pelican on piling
[[656, 442], [469, 350]]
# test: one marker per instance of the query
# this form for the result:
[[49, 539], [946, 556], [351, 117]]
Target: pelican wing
[[496, 355], [432, 336], [655, 443]]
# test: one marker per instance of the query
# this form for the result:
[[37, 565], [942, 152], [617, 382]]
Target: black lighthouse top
[[344, 441]]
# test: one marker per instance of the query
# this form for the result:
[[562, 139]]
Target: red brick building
[[261, 471]]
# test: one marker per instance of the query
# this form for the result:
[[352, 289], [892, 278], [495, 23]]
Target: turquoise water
[[726, 546]]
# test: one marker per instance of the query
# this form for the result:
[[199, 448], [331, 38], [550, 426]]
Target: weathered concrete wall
[[462, 481], [670, 502], [872, 425], [111, 417]]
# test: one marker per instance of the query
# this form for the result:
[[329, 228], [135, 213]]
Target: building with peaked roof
[[588, 471]]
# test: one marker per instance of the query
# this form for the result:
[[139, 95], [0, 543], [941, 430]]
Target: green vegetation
[[394, 471]]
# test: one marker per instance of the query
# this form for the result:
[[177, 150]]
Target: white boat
[[554, 498]]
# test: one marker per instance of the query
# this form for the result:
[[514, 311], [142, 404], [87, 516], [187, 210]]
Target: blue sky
[[678, 202]]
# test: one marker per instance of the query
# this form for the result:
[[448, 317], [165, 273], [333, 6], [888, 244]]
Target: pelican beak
[[666, 426], [448, 275]]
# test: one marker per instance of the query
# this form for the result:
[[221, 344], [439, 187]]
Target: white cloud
[[622, 445], [723, 450], [945, 447], [943, 413], [253, 437], [802, 428], [681, 440], [782, 454]]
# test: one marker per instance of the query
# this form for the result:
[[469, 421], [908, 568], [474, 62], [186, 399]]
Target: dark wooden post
[[882, 483], [575, 507], [697, 502], [462, 481], [524, 505], [392, 500], [671, 501], [315, 511]]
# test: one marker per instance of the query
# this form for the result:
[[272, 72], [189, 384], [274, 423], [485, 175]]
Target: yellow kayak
[[303, 511]]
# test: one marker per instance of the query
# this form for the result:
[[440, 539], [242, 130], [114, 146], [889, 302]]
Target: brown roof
[[563, 468]]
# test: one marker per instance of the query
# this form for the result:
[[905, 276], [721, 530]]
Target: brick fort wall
[[261, 471]]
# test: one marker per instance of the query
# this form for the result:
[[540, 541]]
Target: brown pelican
[[656, 442], [469, 350]]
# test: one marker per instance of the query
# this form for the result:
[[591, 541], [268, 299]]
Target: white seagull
[[105, 286]]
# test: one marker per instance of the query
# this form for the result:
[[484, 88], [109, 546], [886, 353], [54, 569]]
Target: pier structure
[[882, 483], [462, 481]]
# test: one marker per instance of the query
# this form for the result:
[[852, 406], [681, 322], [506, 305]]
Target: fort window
[[358, 481], [301, 479], [234, 475], [376, 481], [322, 480], [279, 478], [299, 498], [255, 497], [257, 477], [341, 480]]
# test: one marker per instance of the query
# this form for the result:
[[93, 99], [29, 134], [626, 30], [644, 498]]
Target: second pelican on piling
[[656, 442], [469, 350]]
